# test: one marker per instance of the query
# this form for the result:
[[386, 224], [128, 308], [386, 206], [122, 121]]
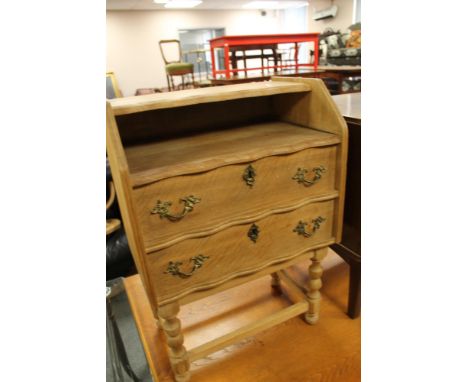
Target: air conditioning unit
[[326, 13]]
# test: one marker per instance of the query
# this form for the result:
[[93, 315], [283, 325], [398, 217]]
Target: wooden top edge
[[136, 104]]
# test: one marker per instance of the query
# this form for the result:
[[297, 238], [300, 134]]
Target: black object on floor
[[125, 357]]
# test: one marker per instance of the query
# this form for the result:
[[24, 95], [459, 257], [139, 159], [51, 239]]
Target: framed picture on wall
[[112, 90]]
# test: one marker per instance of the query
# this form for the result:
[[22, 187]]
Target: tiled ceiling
[[150, 5]]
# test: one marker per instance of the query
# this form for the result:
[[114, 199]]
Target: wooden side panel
[[123, 188], [317, 110]]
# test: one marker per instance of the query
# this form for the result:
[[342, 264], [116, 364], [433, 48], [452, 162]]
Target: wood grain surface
[[154, 161], [289, 352], [294, 116], [317, 110], [120, 176], [232, 254], [136, 104], [227, 199]]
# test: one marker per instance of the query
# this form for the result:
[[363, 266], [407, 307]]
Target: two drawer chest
[[220, 186]]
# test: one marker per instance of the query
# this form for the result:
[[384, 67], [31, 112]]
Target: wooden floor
[[290, 352]]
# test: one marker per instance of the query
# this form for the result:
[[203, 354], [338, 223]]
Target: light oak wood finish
[[315, 283], [170, 324], [250, 329], [156, 161], [317, 110], [292, 351], [293, 289], [232, 254], [120, 176], [215, 245], [137, 104], [226, 197]]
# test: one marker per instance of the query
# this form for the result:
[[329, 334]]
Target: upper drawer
[[231, 195]]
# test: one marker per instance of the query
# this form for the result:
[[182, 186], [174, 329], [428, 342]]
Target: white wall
[[342, 20], [132, 39]]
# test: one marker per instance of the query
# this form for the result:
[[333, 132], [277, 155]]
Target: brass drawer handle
[[301, 173], [162, 208], [253, 233], [301, 227], [173, 267], [249, 175]]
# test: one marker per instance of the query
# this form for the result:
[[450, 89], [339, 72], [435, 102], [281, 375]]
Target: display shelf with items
[[220, 186]]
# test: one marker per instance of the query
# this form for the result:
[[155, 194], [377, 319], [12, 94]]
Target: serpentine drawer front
[[221, 186], [232, 252], [232, 193]]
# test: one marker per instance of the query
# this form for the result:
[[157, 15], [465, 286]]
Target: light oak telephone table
[[220, 186]]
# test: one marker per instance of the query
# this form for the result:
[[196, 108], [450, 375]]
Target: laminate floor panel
[[292, 351]]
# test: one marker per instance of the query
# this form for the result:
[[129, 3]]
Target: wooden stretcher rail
[[248, 330]]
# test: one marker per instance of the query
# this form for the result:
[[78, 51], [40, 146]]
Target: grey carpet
[[131, 340]]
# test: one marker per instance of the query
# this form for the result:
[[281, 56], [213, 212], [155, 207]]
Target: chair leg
[[193, 79], [168, 82]]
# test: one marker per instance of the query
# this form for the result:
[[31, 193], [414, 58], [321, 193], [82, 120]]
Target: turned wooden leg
[[175, 340], [315, 283], [275, 284]]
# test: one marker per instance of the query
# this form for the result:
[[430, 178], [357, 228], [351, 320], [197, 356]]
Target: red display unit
[[256, 42]]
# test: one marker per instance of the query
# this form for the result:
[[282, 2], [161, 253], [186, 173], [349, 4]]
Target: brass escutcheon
[[173, 267], [249, 175], [301, 173], [162, 208], [301, 226], [253, 233]]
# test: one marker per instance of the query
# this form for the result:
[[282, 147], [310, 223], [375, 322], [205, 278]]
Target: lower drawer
[[203, 263]]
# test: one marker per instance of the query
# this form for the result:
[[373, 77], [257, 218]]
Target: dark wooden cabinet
[[350, 247]]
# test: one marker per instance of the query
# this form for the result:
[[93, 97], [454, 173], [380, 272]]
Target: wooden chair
[[172, 56]]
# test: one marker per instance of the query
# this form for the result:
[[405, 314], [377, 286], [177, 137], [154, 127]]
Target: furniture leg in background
[[354, 294], [350, 247]]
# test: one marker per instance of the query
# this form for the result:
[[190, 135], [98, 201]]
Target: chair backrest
[[170, 51], [112, 90]]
